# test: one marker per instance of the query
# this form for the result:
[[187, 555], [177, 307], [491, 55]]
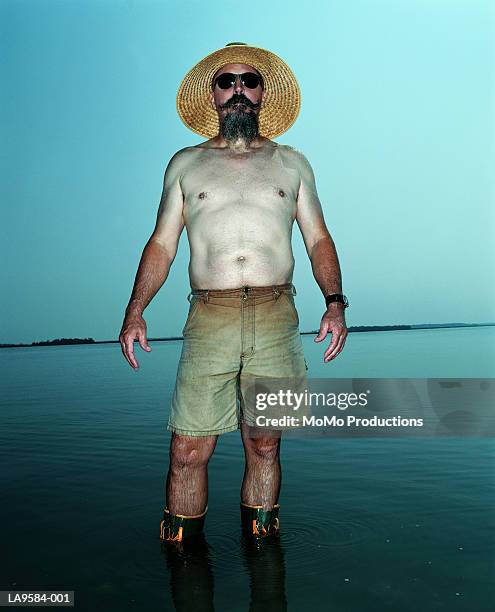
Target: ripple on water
[[229, 552], [340, 535]]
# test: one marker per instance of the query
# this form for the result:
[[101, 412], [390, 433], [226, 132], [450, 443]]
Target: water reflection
[[192, 581], [191, 574], [265, 564]]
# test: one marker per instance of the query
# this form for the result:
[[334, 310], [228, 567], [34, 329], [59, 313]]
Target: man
[[238, 194]]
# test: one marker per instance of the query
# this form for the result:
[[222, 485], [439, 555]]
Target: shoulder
[[180, 160], [183, 155], [294, 154], [298, 160]]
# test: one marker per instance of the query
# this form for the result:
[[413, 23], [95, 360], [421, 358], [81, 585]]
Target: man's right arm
[[157, 257]]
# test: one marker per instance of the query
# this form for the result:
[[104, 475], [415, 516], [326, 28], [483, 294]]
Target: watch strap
[[337, 297]]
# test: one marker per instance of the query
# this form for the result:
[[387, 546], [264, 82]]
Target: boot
[[258, 522], [176, 527]]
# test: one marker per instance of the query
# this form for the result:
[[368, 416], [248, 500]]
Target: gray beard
[[239, 124]]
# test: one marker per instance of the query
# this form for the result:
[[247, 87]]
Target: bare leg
[[262, 472], [187, 478]]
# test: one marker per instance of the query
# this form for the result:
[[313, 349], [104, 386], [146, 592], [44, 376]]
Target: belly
[[241, 244]]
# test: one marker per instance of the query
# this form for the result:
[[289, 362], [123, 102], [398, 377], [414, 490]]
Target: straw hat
[[283, 97]]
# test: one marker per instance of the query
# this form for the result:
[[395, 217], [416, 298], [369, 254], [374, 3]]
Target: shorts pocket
[[193, 309], [290, 299]]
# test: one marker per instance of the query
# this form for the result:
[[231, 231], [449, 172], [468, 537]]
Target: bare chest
[[214, 182]]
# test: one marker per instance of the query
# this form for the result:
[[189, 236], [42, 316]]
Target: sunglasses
[[228, 79]]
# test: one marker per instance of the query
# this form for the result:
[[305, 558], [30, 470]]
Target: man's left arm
[[323, 256]]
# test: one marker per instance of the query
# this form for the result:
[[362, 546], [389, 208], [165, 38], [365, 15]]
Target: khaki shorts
[[231, 337]]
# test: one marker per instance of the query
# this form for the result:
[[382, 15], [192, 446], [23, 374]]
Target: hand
[[133, 328], [333, 321]]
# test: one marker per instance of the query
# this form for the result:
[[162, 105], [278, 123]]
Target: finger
[[143, 343], [323, 331], [130, 353], [334, 349], [122, 346], [341, 345], [336, 339], [124, 350], [330, 349]]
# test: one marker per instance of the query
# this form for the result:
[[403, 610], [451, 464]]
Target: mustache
[[239, 98]]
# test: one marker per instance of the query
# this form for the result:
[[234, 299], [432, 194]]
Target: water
[[367, 524]]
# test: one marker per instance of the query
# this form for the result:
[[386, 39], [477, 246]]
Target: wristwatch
[[337, 297]]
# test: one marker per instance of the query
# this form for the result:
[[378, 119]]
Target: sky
[[397, 121]]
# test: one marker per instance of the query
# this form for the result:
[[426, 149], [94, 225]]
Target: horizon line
[[351, 329]]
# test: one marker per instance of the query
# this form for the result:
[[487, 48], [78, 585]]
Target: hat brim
[[283, 96]]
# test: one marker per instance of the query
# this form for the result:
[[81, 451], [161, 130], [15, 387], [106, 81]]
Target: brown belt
[[244, 292]]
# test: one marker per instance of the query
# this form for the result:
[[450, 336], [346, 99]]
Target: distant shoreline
[[352, 329]]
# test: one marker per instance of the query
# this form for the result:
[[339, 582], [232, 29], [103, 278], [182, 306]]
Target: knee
[[264, 449], [190, 453]]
